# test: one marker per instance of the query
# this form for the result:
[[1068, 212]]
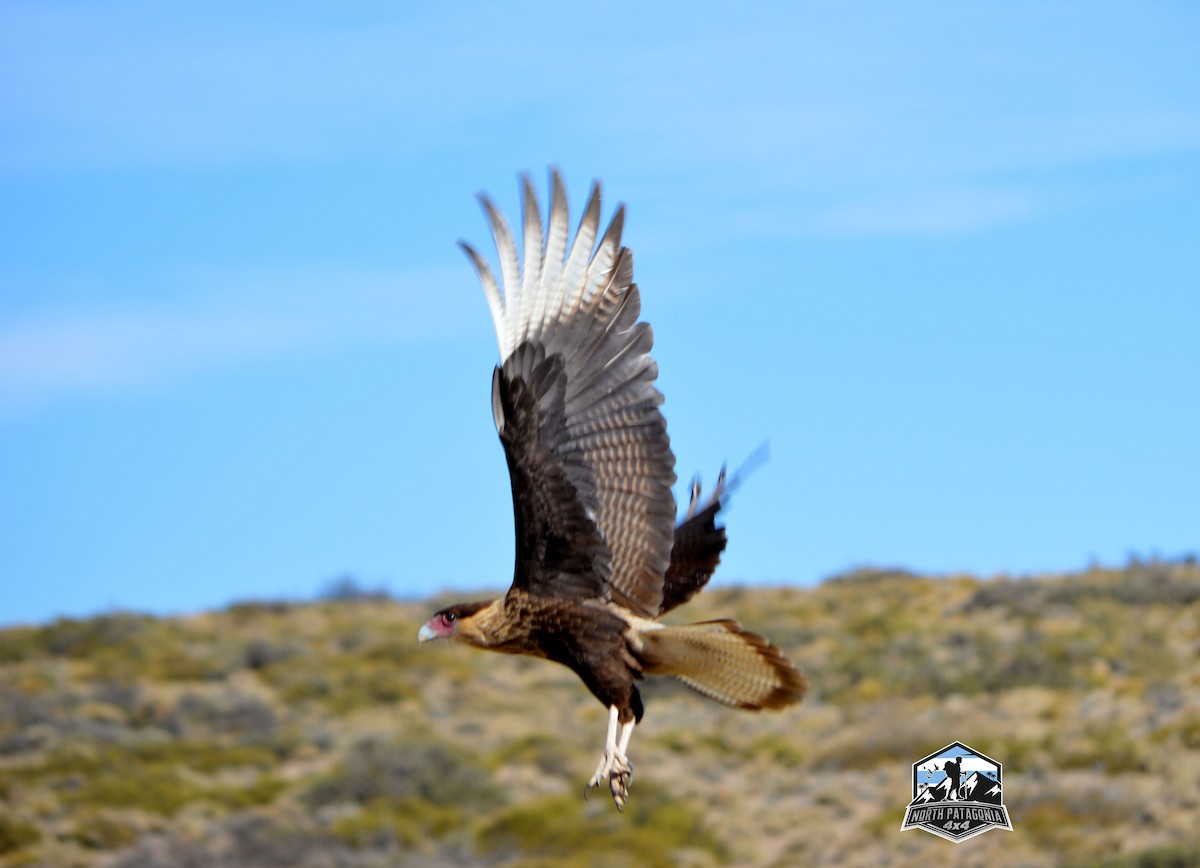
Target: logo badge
[[957, 793]]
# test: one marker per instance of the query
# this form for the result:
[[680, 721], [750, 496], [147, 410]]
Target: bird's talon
[[618, 771], [620, 793]]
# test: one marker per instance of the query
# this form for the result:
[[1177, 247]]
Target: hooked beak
[[426, 633]]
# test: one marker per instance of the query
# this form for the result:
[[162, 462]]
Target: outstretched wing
[[697, 550], [699, 540], [577, 411]]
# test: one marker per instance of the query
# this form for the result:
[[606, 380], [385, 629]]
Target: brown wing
[[699, 542], [696, 552], [575, 404], [560, 550]]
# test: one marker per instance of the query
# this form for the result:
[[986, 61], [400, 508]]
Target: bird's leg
[[626, 734], [614, 766]]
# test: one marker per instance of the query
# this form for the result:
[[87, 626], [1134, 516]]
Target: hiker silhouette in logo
[[953, 769]]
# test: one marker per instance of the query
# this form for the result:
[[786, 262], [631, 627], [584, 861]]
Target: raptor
[[600, 556]]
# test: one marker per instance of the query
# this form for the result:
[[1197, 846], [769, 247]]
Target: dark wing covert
[[577, 410]]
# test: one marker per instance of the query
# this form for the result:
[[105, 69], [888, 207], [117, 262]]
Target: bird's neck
[[488, 628]]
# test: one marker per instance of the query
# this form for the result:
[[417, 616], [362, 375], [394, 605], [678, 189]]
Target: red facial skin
[[443, 625]]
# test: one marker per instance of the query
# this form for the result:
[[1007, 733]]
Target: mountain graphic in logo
[[957, 794], [976, 788], [981, 788]]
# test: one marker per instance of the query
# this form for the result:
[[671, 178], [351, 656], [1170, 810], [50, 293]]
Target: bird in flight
[[599, 556]]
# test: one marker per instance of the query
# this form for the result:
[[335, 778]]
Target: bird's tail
[[723, 662]]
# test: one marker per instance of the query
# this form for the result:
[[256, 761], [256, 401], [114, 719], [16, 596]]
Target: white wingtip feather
[[574, 279], [558, 231], [554, 277], [602, 269], [531, 266], [506, 248], [490, 290]]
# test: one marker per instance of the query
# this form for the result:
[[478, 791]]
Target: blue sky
[[942, 256]]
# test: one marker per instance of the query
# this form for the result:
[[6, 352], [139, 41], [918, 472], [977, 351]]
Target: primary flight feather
[[599, 557]]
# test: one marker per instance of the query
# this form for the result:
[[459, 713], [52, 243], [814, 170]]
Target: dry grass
[[320, 734]]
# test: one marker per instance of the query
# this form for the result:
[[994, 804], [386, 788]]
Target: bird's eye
[[450, 616]]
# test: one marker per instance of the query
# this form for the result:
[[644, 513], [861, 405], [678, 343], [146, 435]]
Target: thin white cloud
[[820, 99], [174, 85], [924, 212], [808, 96], [49, 354]]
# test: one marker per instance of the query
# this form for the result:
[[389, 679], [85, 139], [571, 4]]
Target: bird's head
[[445, 624]]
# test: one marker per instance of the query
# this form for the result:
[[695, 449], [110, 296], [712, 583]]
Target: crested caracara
[[599, 556]]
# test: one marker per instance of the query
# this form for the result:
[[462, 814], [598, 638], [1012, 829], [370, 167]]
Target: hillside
[[322, 735]]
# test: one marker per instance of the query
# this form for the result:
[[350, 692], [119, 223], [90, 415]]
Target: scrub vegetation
[[314, 734]]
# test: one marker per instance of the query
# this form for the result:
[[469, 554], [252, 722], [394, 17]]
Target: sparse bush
[[539, 749], [19, 710], [229, 713], [1020, 596], [248, 839], [145, 776], [651, 832], [1171, 856], [127, 696], [98, 830], [870, 576], [343, 681], [1189, 731], [783, 751], [20, 643], [408, 823], [153, 789], [254, 610], [435, 772], [263, 790], [260, 653], [239, 737], [16, 834], [92, 637], [1106, 747], [879, 746], [1139, 585], [348, 589]]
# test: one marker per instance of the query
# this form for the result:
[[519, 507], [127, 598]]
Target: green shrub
[[435, 772], [16, 834], [228, 713], [18, 644], [409, 822], [153, 789], [651, 831], [1139, 585], [1189, 731], [263, 791], [343, 682], [97, 830], [1170, 856], [546, 752], [148, 776], [93, 637]]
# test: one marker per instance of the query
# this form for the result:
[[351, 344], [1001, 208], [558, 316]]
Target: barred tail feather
[[724, 662]]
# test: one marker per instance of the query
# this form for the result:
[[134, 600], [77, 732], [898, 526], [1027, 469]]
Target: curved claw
[[614, 764], [618, 784], [619, 772]]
